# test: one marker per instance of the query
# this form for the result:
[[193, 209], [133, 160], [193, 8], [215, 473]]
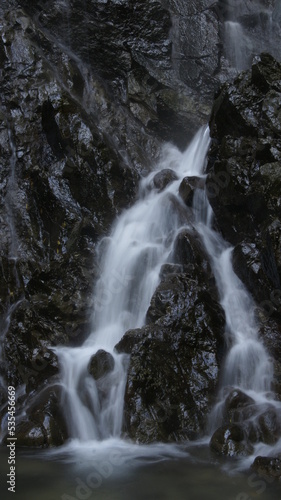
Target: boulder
[[164, 178], [44, 425], [101, 364], [188, 250], [174, 362], [269, 424], [238, 407], [229, 441], [268, 467], [187, 188]]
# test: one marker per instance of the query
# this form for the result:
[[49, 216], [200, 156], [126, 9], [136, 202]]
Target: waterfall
[[131, 258], [140, 243], [249, 30], [237, 45], [247, 365]]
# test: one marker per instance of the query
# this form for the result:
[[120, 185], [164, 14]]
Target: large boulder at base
[[174, 362]]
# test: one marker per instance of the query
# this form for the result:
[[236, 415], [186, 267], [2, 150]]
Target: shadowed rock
[[101, 364]]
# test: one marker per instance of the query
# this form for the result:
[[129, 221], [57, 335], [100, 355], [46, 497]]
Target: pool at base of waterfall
[[118, 472]]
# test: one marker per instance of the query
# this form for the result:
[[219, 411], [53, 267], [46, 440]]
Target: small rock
[[101, 364], [230, 441], [162, 179], [268, 467], [188, 186], [238, 407], [269, 426]]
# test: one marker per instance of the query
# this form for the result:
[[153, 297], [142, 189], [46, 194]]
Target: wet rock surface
[[174, 362], [163, 179], [268, 467], [44, 425], [187, 188], [129, 46], [101, 364], [230, 441]]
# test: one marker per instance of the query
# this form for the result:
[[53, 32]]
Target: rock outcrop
[[174, 360]]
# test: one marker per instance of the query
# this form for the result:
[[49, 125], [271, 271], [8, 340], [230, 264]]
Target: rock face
[[89, 91], [175, 359], [243, 186], [129, 50]]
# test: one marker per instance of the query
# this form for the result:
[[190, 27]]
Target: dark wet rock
[[254, 268], [187, 188], [131, 339], [189, 251], [44, 425], [164, 178], [170, 269], [230, 441], [101, 364], [264, 427], [268, 467], [174, 362], [30, 435], [128, 46], [238, 407], [266, 74], [260, 423], [270, 426]]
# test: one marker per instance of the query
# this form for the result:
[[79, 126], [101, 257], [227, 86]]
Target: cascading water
[[247, 365], [237, 45], [140, 243], [249, 30]]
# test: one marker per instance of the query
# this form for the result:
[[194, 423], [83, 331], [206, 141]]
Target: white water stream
[[139, 245], [131, 258], [237, 45], [244, 39]]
